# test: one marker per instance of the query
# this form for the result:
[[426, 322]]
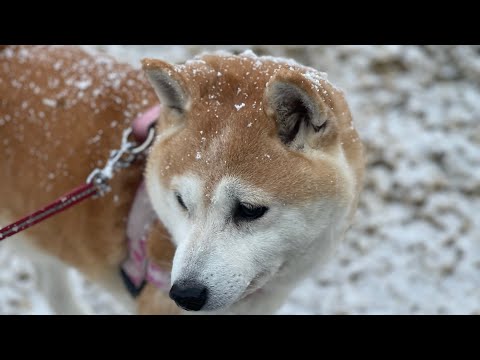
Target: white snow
[[414, 247], [49, 102], [83, 84], [239, 106]]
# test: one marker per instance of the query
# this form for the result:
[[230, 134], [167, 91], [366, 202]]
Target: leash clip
[[119, 159]]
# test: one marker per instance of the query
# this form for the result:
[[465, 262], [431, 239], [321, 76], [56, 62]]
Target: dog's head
[[256, 165]]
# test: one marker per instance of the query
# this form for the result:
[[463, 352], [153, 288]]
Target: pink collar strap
[[144, 122], [137, 270]]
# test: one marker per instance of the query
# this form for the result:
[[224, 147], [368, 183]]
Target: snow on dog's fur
[[255, 173]]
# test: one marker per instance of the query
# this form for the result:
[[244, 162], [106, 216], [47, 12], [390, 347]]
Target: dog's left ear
[[168, 84], [301, 107]]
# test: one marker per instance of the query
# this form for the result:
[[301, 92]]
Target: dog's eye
[[247, 212], [180, 201]]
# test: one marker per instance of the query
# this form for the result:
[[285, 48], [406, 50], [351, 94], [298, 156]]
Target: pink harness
[[137, 270]]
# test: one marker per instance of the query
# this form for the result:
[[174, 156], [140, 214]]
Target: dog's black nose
[[189, 295]]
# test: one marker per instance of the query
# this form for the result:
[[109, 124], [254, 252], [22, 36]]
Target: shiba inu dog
[[254, 175]]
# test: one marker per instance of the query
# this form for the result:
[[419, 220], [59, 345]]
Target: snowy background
[[415, 245]]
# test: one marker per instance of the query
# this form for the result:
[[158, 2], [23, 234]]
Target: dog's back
[[61, 112]]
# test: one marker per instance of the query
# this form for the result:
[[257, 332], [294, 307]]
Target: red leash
[[97, 181], [72, 198]]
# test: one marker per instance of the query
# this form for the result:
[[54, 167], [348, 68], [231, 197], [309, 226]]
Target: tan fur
[[63, 110], [228, 145], [154, 302], [47, 150], [159, 247]]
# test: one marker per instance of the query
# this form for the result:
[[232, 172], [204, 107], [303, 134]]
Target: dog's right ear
[[168, 84], [303, 110]]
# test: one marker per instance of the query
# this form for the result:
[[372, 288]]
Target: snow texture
[[414, 247]]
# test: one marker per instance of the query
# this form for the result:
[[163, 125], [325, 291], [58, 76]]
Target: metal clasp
[[119, 159]]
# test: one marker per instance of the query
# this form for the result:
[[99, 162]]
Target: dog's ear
[[168, 84], [301, 107]]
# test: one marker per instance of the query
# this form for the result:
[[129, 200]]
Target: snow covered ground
[[415, 244]]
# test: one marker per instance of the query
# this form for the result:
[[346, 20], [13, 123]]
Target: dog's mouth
[[260, 281], [256, 284]]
